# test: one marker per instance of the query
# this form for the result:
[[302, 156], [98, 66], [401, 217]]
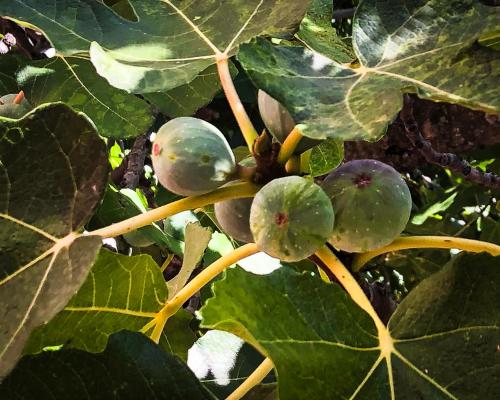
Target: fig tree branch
[[239, 190], [446, 160], [427, 242], [254, 379], [200, 280]]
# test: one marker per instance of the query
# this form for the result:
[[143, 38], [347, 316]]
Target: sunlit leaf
[[49, 187], [171, 42], [321, 342], [427, 47]]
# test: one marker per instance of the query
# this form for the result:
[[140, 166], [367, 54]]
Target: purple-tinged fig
[[372, 205]]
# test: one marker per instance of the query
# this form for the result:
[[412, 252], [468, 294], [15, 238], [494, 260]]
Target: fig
[[279, 122], [191, 157], [372, 205], [234, 218], [291, 218], [14, 106]]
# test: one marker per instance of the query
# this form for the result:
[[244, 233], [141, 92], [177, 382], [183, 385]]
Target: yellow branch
[[424, 242], [292, 166], [246, 126], [200, 280], [289, 145], [254, 379], [238, 190], [350, 285]]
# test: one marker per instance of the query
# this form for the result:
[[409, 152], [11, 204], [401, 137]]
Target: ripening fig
[[234, 218], [372, 205], [14, 106], [291, 218], [191, 157], [279, 122]]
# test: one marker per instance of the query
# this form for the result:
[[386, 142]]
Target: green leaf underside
[[169, 45], [326, 156], [121, 292], [317, 32], [131, 367], [321, 342], [428, 47], [49, 187], [73, 80]]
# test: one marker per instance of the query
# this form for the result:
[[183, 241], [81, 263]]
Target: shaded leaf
[[74, 81], [428, 47], [321, 342], [178, 337], [185, 100], [169, 45], [317, 32], [53, 170], [121, 292], [131, 367], [325, 157]]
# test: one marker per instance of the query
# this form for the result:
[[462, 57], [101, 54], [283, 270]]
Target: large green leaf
[[443, 342], [131, 367], [53, 170], [73, 80], [171, 42], [121, 292], [423, 46]]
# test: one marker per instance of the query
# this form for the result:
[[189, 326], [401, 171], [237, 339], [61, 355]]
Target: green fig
[[191, 157]]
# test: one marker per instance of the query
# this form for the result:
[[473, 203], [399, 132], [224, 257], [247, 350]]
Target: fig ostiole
[[291, 218], [279, 122], [372, 205], [191, 157]]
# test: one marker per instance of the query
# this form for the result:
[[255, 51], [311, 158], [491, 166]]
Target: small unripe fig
[[191, 157], [14, 106], [291, 218], [279, 122], [372, 205], [234, 218]]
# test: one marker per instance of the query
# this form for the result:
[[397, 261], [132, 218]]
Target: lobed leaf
[[49, 188], [426, 46], [321, 342], [171, 42]]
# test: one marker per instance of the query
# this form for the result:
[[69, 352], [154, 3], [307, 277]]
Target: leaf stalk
[[289, 145], [427, 242], [254, 379]]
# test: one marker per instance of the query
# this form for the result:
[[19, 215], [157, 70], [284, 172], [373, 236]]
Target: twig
[[135, 164], [446, 160]]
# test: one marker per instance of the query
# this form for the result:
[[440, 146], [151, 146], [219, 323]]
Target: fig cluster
[[360, 206]]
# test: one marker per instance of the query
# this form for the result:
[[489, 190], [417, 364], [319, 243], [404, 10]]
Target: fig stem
[[423, 242], [239, 190], [351, 286], [246, 126], [292, 166], [289, 145], [200, 280], [256, 377]]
